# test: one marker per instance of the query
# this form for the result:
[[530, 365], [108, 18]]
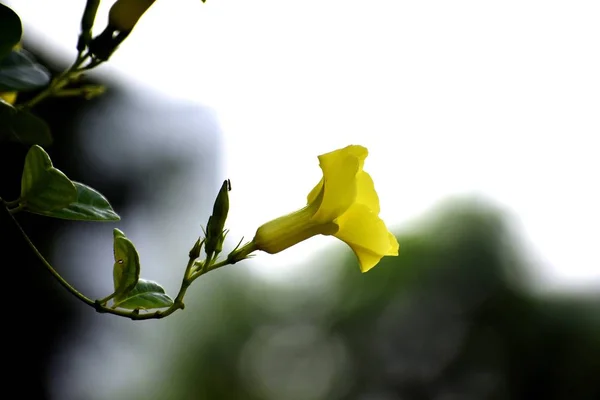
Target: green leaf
[[126, 271], [10, 30], [146, 295], [44, 187], [22, 126], [20, 73], [90, 205]]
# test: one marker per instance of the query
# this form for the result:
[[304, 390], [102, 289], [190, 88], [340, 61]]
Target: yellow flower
[[10, 97], [343, 204], [124, 14]]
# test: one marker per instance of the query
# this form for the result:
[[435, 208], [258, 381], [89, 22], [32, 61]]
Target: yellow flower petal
[[11, 97], [340, 168], [394, 245], [366, 192], [354, 151], [344, 204], [314, 192], [367, 235]]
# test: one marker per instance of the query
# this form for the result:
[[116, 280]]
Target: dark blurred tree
[[34, 331]]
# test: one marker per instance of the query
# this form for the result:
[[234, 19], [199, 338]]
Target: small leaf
[[90, 205], [126, 271], [10, 30], [146, 295], [22, 126], [44, 187], [20, 73]]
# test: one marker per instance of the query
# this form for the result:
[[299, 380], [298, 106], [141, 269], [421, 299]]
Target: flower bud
[[122, 17], [87, 22], [124, 14], [195, 251], [215, 234]]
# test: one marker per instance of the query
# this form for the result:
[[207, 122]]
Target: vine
[[343, 204]]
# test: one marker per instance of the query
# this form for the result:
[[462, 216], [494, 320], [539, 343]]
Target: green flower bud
[[122, 17], [195, 251], [87, 22], [215, 234]]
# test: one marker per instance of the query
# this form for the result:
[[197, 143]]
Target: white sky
[[496, 98]]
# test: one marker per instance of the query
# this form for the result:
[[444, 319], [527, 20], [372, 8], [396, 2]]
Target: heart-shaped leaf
[[20, 73], [90, 205], [145, 295], [22, 126], [44, 187], [126, 271], [10, 30]]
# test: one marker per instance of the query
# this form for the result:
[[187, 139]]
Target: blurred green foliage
[[450, 318]]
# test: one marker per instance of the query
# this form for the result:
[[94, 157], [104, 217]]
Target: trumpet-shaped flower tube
[[343, 204]]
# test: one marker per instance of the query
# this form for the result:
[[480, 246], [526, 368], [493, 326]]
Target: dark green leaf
[[20, 73], [22, 126], [44, 187], [90, 205], [146, 295], [126, 271], [10, 30]]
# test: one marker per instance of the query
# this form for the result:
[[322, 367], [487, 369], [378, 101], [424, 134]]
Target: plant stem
[[233, 257], [16, 209], [177, 303], [11, 204], [97, 305], [106, 299], [62, 80], [50, 269]]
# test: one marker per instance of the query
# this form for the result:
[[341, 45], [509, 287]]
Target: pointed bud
[[87, 22], [215, 234], [195, 251]]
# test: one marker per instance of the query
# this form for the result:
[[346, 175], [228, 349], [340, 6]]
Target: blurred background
[[481, 121]]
